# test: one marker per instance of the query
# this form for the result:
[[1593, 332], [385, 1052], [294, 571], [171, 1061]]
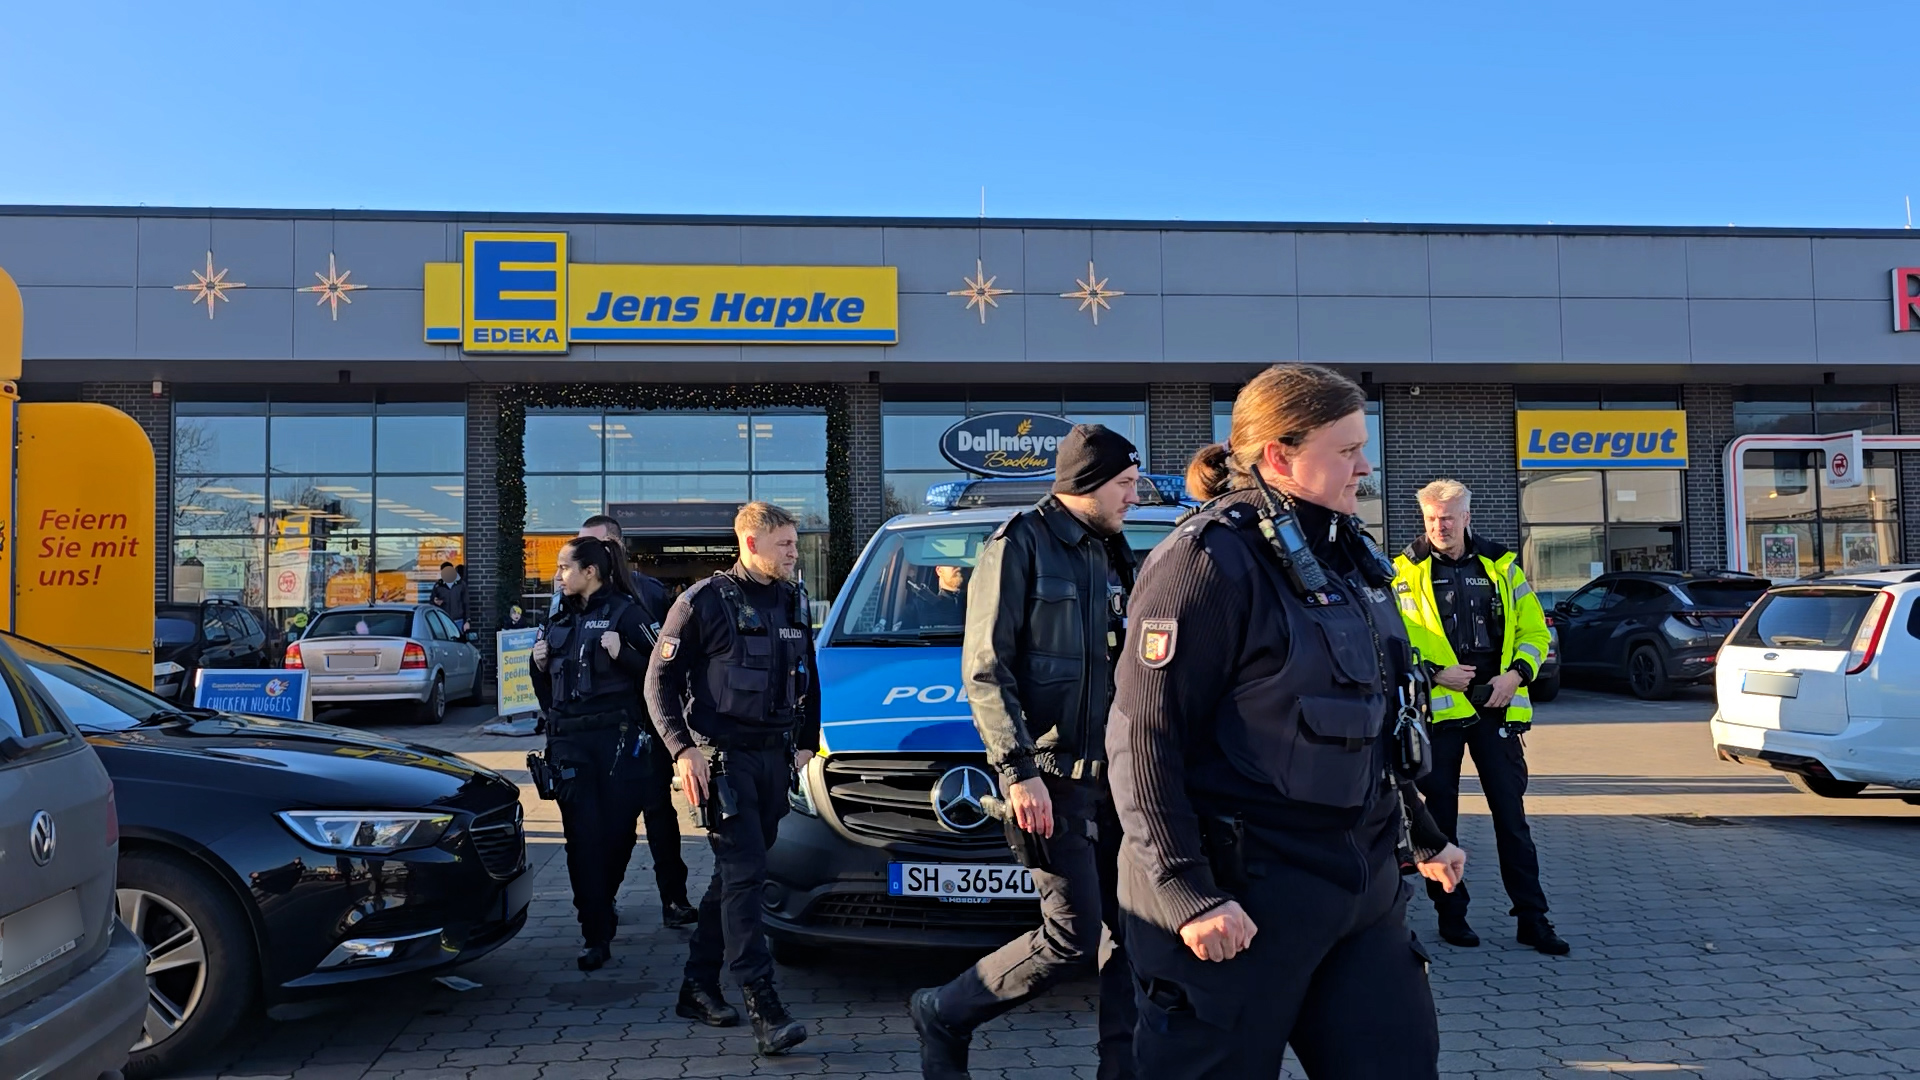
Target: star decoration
[[333, 287], [1093, 293], [980, 291], [209, 286]]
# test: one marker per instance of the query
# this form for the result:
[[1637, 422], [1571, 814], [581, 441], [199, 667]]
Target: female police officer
[[1262, 772], [592, 662]]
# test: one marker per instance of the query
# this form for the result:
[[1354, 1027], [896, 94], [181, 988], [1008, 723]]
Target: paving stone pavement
[[1703, 947]]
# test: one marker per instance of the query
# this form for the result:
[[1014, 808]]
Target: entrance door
[[679, 561]]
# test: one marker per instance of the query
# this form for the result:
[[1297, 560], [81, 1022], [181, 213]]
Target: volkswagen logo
[[956, 798], [40, 838]]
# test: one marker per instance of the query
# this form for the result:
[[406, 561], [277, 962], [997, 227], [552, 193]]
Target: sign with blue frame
[[1006, 443], [272, 693], [514, 662]]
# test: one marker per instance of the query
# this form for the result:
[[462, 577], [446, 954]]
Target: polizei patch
[[668, 647], [1157, 639]]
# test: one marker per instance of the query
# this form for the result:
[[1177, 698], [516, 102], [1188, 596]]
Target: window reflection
[[305, 444]]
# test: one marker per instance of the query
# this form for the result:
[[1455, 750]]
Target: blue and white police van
[[889, 844]]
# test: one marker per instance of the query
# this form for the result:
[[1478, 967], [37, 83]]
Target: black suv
[[211, 634], [1657, 629]]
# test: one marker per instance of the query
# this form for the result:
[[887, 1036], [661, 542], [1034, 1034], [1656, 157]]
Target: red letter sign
[[1906, 304]]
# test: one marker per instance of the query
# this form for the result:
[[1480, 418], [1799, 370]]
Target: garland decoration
[[511, 452]]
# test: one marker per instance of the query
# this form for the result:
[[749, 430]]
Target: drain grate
[[1698, 821]]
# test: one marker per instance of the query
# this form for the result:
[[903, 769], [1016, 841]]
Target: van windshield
[[1805, 619], [913, 588]]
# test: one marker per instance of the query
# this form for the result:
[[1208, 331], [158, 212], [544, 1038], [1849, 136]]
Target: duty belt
[[772, 740], [571, 725]]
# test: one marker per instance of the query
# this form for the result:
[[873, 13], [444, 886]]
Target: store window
[[912, 420], [1576, 524], [290, 507], [1797, 525], [1372, 509], [1812, 410], [582, 462]]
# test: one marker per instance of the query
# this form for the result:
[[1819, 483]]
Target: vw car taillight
[[1867, 641], [414, 658], [293, 660]]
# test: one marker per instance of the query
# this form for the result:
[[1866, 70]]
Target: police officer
[[662, 819], [1261, 738], [735, 697], [1480, 631], [588, 668]]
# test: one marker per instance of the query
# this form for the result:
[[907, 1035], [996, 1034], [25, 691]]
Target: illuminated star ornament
[[209, 286], [1093, 293], [980, 291], [333, 287]]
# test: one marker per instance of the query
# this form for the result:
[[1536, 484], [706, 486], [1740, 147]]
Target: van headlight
[[366, 832], [800, 795]]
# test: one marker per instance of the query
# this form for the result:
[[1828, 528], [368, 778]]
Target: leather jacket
[[1043, 627]]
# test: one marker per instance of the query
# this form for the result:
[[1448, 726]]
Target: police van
[[889, 843]]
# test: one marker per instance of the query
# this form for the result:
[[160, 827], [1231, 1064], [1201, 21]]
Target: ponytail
[[1208, 476]]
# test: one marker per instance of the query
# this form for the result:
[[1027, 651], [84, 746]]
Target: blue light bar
[[1156, 488]]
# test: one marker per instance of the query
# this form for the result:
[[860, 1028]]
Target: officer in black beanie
[[1038, 668]]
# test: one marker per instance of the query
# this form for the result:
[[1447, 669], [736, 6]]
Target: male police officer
[[1482, 635], [734, 693], [1045, 623], [662, 820]]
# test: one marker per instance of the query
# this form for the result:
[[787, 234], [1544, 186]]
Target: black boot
[[705, 1004], [678, 913], [774, 1029], [1536, 931], [943, 1051], [594, 957], [1455, 931]]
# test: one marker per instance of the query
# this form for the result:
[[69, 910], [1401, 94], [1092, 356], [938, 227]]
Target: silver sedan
[[411, 653]]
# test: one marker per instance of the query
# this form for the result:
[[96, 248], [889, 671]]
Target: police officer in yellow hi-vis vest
[[1482, 635]]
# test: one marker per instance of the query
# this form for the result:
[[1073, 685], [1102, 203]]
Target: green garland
[[511, 448]]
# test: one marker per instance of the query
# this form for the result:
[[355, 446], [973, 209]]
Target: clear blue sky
[[1701, 112]]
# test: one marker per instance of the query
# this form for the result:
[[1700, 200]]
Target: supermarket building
[[340, 401]]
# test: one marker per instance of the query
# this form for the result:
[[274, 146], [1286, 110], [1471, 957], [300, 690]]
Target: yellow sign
[[516, 293], [514, 661], [83, 550], [1601, 438]]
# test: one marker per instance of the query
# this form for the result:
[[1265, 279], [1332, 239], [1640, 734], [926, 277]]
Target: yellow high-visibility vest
[[1524, 636]]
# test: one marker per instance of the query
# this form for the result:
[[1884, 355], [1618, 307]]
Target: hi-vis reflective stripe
[[1530, 653], [1522, 590], [1521, 700], [1442, 702]]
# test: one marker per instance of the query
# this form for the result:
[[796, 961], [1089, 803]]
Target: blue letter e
[[490, 280]]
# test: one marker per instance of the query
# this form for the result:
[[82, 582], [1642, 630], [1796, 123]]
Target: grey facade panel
[[1613, 331], [781, 245], [77, 323], [1363, 264], [254, 324], [1129, 330], [172, 247], [694, 245], [1861, 332], [1475, 265], [1474, 330], [936, 327], [379, 255], [1227, 264], [1360, 329], [70, 251], [1248, 329], [1128, 261], [256, 251], [936, 260], [379, 324], [1053, 259], [1848, 269], [1752, 331], [1749, 267], [1623, 266]]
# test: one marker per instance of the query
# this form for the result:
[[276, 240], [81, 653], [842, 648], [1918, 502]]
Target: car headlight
[[800, 796], [365, 832], [167, 667]]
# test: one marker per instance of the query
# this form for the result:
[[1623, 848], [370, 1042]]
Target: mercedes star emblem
[[956, 798], [40, 838]]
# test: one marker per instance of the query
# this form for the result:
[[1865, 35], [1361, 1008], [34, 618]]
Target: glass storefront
[[291, 507], [1796, 524], [912, 420], [1372, 509]]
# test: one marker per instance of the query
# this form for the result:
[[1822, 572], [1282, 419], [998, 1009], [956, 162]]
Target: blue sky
[[1700, 112]]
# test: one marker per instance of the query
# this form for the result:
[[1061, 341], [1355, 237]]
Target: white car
[[1821, 680]]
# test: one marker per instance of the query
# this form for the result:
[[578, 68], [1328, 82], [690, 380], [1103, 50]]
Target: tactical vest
[[1313, 729], [743, 679], [580, 667]]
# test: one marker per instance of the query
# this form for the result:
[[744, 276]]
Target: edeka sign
[[1601, 438], [1006, 443], [516, 293]]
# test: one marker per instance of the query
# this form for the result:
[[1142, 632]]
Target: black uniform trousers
[[598, 813], [663, 826], [1501, 761], [1078, 897], [1338, 976], [729, 932]]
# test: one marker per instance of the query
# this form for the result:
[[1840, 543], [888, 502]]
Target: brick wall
[[483, 514], [1462, 431], [155, 417], [1179, 422], [1907, 413], [868, 493], [1709, 411]]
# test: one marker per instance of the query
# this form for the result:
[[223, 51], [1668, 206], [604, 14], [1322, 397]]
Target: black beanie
[[1089, 456]]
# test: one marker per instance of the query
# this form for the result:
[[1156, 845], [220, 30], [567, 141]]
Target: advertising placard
[[513, 653], [1601, 438], [272, 693], [288, 579], [1780, 556]]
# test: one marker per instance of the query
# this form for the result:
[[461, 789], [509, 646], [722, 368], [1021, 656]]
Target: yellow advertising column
[[12, 326]]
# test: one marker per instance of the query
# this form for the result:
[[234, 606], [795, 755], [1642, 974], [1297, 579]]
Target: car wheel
[[1647, 675], [1826, 786], [201, 968], [1545, 690], [434, 709]]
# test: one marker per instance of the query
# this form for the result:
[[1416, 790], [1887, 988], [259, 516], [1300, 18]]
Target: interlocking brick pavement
[[1775, 942]]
